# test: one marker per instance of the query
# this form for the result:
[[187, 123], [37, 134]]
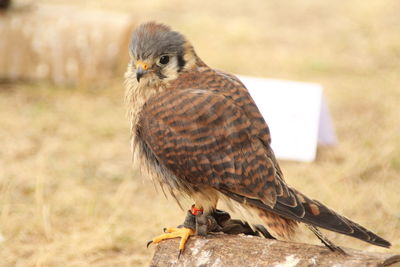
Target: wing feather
[[205, 139]]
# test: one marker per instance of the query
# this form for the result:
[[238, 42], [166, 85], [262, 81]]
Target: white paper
[[296, 114]]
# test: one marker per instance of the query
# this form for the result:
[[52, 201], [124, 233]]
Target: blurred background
[[68, 193]]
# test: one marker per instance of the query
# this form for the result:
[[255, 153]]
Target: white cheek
[[170, 71], [130, 71]]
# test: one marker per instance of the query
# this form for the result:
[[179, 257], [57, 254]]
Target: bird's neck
[[136, 95], [192, 61]]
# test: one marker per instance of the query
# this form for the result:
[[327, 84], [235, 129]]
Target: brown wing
[[205, 138]]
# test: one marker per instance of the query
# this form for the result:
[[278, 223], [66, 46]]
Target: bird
[[197, 132]]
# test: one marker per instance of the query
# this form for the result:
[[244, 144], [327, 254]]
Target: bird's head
[[158, 53]]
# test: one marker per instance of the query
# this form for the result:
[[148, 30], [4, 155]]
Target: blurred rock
[[239, 250], [65, 45]]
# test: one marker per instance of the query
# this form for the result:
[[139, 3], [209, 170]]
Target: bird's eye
[[164, 60]]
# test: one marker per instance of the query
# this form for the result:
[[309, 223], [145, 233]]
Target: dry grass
[[68, 194]]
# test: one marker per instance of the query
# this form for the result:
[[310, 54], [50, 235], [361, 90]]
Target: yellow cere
[[142, 64]]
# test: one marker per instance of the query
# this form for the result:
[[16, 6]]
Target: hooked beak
[[141, 69], [139, 73]]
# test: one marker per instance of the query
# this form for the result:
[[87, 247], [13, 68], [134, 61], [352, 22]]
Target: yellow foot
[[173, 232]]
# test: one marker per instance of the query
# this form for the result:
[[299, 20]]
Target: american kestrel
[[197, 131]]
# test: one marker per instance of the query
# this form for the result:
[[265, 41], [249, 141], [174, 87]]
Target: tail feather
[[316, 214], [325, 240], [319, 215]]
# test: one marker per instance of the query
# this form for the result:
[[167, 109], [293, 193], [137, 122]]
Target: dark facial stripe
[[181, 62], [159, 74]]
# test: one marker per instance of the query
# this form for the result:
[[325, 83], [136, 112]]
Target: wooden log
[[239, 250], [63, 44]]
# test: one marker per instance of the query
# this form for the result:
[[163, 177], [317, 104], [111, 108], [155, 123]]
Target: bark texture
[[239, 250]]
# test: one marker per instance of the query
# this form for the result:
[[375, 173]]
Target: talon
[[172, 232], [172, 229], [180, 253], [149, 243]]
